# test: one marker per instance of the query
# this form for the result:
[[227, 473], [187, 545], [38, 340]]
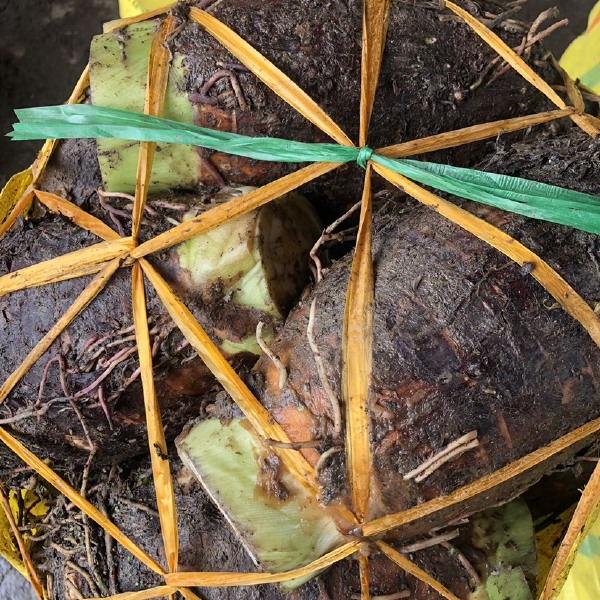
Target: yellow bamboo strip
[[415, 571], [88, 294], [471, 134], [375, 24], [356, 359], [159, 62], [188, 594], [155, 592], [146, 16], [586, 513], [269, 74], [81, 218], [573, 92], [163, 484], [17, 210], [77, 499], [483, 484], [519, 65], [31, 572], [234, 208], [240, 579], [254, 411], [550, 280], [365, 576], [75, 264]]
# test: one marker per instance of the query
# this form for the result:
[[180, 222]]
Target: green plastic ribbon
[[513, 194]]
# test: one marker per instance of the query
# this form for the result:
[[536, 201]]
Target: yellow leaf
[[13, 191], [14, 546]]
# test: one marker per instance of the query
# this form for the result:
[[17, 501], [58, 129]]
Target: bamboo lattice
[[115, 252]]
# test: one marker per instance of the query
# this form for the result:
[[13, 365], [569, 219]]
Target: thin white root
[[434, 541], [323, 458], [451, 451], [274, 358], [335, 405]]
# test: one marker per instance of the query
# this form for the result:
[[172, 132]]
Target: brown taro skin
[[464, 340]]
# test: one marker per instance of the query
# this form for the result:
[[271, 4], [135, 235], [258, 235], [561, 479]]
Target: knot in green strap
[[364, 155]]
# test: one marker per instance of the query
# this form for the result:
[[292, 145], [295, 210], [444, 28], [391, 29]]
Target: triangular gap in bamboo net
[[509, 61]]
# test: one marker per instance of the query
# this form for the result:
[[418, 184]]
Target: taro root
[[468, 358], [227, 276], [319, 51], [474, 366]]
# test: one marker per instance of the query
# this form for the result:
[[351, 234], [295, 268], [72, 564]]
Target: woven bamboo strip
[[156, 88], [586, 513], [241, 579], [69, 266], [81, 218], [550, 280], [232, 209], [163, 484], [42, 469], [467, 135], [270, 75], [415, 571], [375, 24], [356, 359], [484, 484], [519, 65]]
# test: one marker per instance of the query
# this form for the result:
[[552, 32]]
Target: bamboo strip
[[550, 280], [163, 484], [586, 513], [86, 296], [59, 205], [155, 592], [269, 74], [415, 571], [159, 62], [356, 359], [519, 65], [375, 24], [483, 484], [74, 264], [241, 579], [365, 576], [471, 134], [234, 208], [25, 556], [77, 499], [146, 16]]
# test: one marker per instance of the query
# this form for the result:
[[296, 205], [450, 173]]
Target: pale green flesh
[[280, 535], [118, 72], [256, 257], [506, 535]]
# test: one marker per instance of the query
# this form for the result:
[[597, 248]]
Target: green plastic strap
[[513, 194]]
